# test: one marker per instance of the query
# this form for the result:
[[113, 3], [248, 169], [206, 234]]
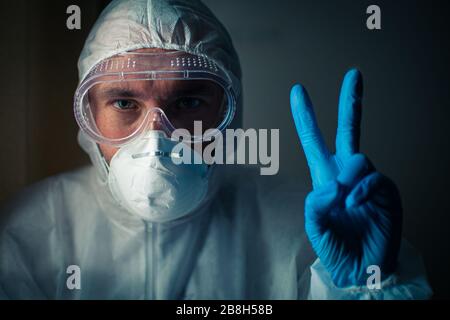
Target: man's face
[[121, 107]]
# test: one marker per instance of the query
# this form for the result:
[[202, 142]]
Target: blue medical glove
[[353, 216]]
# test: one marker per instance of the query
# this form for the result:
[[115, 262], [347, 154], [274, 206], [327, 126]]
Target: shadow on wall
[[41, 55]]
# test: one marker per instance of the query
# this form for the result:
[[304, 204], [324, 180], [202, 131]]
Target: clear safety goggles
[[130, 93]]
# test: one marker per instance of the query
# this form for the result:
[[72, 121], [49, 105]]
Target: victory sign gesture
[[353, 216]]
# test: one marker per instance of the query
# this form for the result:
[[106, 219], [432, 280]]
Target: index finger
[[316, 151]]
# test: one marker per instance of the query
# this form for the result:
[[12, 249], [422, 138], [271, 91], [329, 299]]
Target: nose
[[155, 120]]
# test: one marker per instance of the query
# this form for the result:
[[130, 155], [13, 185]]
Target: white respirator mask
[[144, 179]]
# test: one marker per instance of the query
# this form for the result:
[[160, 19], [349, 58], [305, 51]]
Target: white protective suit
[[247, 241]]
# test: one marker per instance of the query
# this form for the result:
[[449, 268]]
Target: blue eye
[[124, 104], [188, 103]]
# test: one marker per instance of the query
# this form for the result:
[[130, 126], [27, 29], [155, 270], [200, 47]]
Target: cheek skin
[[108, 151]]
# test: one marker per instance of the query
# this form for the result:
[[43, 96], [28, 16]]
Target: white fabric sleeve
[[409, 282]]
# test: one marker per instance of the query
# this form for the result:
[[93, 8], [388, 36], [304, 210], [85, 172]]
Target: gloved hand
[[353, 216]]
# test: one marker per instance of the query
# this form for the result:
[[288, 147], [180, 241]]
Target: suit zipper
[[150, 236]]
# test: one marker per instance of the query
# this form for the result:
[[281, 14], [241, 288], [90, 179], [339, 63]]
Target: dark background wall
[[405, 120]]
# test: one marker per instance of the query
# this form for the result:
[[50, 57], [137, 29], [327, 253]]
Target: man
[[139, 225]]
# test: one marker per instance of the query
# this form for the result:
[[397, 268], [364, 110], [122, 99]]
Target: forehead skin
[[152, 50]]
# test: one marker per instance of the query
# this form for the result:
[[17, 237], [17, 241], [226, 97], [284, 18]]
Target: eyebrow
[[194, 87], [119, 92], [178, 89]]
